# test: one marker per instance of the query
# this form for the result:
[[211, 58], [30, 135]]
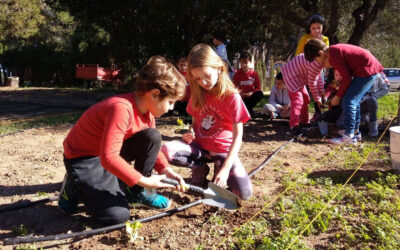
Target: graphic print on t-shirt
[[248, 82], [210, 122]]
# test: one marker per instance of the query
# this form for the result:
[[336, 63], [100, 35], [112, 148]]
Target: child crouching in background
[[278, 105]]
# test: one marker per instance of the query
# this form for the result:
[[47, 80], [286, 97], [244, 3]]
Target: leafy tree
[[19, 18]]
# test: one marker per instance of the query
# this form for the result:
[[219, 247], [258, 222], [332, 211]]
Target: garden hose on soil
[[19, 240], [28, 239]]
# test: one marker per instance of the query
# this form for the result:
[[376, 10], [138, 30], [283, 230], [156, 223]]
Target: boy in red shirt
[[113, 133], [359, 70], [181, 104], [248, 82]]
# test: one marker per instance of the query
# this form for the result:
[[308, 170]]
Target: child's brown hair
[[203, 55], [161, 75], [312, 48]]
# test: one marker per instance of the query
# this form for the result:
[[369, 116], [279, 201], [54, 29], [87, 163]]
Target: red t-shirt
[[101, 131], [213, 123], [351, 60], [247, 81]]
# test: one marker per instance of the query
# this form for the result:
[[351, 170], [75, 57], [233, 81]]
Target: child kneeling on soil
[[359, 70], [111, 134], [278, 102], [218, 114]]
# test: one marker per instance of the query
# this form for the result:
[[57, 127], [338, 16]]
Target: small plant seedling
[[182, 127], [20, 230], [133, 229], [41, 194]]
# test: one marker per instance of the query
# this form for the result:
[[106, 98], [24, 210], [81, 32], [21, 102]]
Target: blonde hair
[[161, 75], [203, 55]]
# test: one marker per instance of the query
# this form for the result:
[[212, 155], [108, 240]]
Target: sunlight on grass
[[39, 122]]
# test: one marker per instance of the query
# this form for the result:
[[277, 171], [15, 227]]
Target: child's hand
[[222, 177], [188, 137], [335, 100], [169, 172], [286, 107], [320, 105]]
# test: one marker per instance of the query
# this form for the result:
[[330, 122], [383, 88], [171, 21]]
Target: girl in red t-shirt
[[99, 149], [218, 114]]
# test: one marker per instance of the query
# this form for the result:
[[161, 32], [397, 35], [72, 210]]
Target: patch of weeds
[[216, 220], [251, 233], [27, 247], [41, 194], [199, 247], [19, 230], [282, 241], [386, 230]]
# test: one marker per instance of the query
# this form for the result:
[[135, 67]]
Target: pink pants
[[299, 101]]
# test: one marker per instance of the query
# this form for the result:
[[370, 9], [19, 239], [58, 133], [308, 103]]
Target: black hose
[[24, 203], [29, 239], [265, 162]]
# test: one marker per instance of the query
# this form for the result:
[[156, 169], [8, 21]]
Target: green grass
[[388, 105], [39, 122]]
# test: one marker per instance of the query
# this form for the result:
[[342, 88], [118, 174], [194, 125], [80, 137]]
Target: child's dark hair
[[246, 55], [161, 75], [316, 18], [312, 48], [279, 76], [220, 35], [182, 58]]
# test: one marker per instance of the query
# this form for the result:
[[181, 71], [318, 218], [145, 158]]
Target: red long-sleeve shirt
[[247, 81], [351, 60], [101, 131]]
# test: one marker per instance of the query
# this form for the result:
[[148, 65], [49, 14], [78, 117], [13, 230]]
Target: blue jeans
[[359, 86]]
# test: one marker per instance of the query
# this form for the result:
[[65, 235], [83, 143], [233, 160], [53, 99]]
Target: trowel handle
[[187, 186]]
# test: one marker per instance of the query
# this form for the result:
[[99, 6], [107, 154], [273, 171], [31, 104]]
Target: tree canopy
[[47, 38]]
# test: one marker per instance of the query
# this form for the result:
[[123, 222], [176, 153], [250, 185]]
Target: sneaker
[[294, 131], [148, 198], [68, 199], [199, 175], [345, 139], [356, 135]]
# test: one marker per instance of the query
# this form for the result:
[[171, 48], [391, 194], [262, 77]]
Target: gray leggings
[[182, 154]]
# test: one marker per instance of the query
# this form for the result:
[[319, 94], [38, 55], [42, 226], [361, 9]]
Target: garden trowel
[[214, 195]]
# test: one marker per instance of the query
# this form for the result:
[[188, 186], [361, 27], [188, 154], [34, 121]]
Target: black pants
[[100, 190], [333, 114], [252, 101]]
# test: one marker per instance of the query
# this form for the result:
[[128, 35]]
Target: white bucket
[[395, 146]]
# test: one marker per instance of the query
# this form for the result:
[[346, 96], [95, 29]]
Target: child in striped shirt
[[298, 73]]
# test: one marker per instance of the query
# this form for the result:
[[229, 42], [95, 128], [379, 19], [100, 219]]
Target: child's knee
[[165, 149], [169, 150], [245, 194], [114, 215]]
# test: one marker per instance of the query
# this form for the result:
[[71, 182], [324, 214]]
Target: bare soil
[[31, 168]]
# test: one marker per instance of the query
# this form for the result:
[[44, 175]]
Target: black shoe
[[294, 131], [68, 199]]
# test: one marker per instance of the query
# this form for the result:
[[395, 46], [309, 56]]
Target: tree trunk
[[333, 23], [364, 18]]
